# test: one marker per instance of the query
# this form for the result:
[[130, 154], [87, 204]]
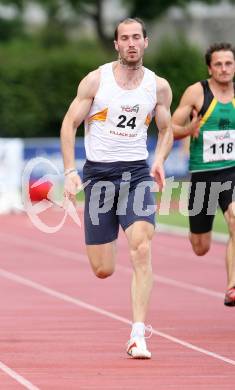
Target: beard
[[224, 80], [135, 64]]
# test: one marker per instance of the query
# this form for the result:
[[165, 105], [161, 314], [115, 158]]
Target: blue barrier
[[176, 165]]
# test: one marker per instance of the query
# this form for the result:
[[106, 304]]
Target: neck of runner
[[129, 66]]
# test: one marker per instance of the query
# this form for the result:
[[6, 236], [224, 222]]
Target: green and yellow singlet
[[215, 146]]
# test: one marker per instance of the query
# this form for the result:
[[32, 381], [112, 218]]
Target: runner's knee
[[103, 272], [140, 254], [200, 246], [200, 250], [102, 259], [230, 218]]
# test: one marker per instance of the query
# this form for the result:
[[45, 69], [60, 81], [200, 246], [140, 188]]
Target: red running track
[[63, 329]]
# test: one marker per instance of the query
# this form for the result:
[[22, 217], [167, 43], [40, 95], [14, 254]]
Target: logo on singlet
[[224, 124], [224, 110], [223, 136], [127, 108]]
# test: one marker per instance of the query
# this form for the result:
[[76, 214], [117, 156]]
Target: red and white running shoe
[[137, 349], [136, 346], [229, 299]]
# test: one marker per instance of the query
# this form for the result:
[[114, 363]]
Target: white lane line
[[176, 283], [176, 253], [67, 298], [20, 379], [188, 286], [46, 248], [181, 231], [70, 255]]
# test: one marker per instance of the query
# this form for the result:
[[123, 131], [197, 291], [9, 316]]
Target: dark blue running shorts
[[117, 193], [209, 198]]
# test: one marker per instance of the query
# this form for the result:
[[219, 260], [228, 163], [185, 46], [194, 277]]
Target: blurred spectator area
[[202, 22], [49, 149]]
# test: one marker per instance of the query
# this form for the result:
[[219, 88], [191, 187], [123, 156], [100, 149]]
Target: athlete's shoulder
[[192, 94], [90, 82], [93, 76], [195, 88], [163, 86], [162, 83], [164, 92]]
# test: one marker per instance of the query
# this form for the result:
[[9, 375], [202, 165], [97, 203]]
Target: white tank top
[[116, 126]]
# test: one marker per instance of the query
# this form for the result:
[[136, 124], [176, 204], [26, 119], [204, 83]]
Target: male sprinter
[[212, 152], [117, 102]]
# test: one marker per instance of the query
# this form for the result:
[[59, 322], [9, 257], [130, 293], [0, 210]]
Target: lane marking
[[20, 379], [176, 253], [67, 298], [176, 283], [183, 232], [66, 254]]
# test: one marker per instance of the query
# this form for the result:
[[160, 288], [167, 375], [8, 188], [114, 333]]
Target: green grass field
[[176, 218]]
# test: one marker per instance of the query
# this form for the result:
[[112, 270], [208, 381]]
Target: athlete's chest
[[127, 103], [218, 134], [222, 117]]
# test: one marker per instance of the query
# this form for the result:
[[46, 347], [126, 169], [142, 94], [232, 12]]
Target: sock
[[138, 329]]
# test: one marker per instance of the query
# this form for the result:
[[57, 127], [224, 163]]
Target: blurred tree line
[[40, 70]]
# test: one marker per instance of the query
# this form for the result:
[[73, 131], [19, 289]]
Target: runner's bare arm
[[165, 134], [190, 105], [75, 115]]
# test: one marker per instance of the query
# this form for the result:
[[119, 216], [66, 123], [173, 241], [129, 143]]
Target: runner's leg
[[102, 258], [139, 236]]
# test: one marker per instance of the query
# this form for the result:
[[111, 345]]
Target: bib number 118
[[223, 148]]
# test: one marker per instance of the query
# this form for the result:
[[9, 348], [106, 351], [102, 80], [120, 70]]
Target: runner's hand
[[72, 185], [195, 123], [157, 172]]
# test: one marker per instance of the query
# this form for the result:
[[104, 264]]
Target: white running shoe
[[137, 349]]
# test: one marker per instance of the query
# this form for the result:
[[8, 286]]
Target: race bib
[[125, 121], [218, 145]]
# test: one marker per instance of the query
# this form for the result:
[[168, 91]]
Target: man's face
[[222, 66], [131, 43]]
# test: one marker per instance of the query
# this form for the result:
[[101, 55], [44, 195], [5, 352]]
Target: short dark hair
[[130, 20], [225, 46]]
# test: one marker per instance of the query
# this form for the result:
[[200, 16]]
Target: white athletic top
[[116, 126]]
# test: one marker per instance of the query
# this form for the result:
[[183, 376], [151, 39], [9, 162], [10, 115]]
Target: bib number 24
[[125, 122]]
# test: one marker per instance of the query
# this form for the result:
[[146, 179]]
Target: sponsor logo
[[123, 134], [224, 124], [223, 136], [128, 108]]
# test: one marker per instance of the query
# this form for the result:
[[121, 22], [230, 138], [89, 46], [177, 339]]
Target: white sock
[[138, 329]]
